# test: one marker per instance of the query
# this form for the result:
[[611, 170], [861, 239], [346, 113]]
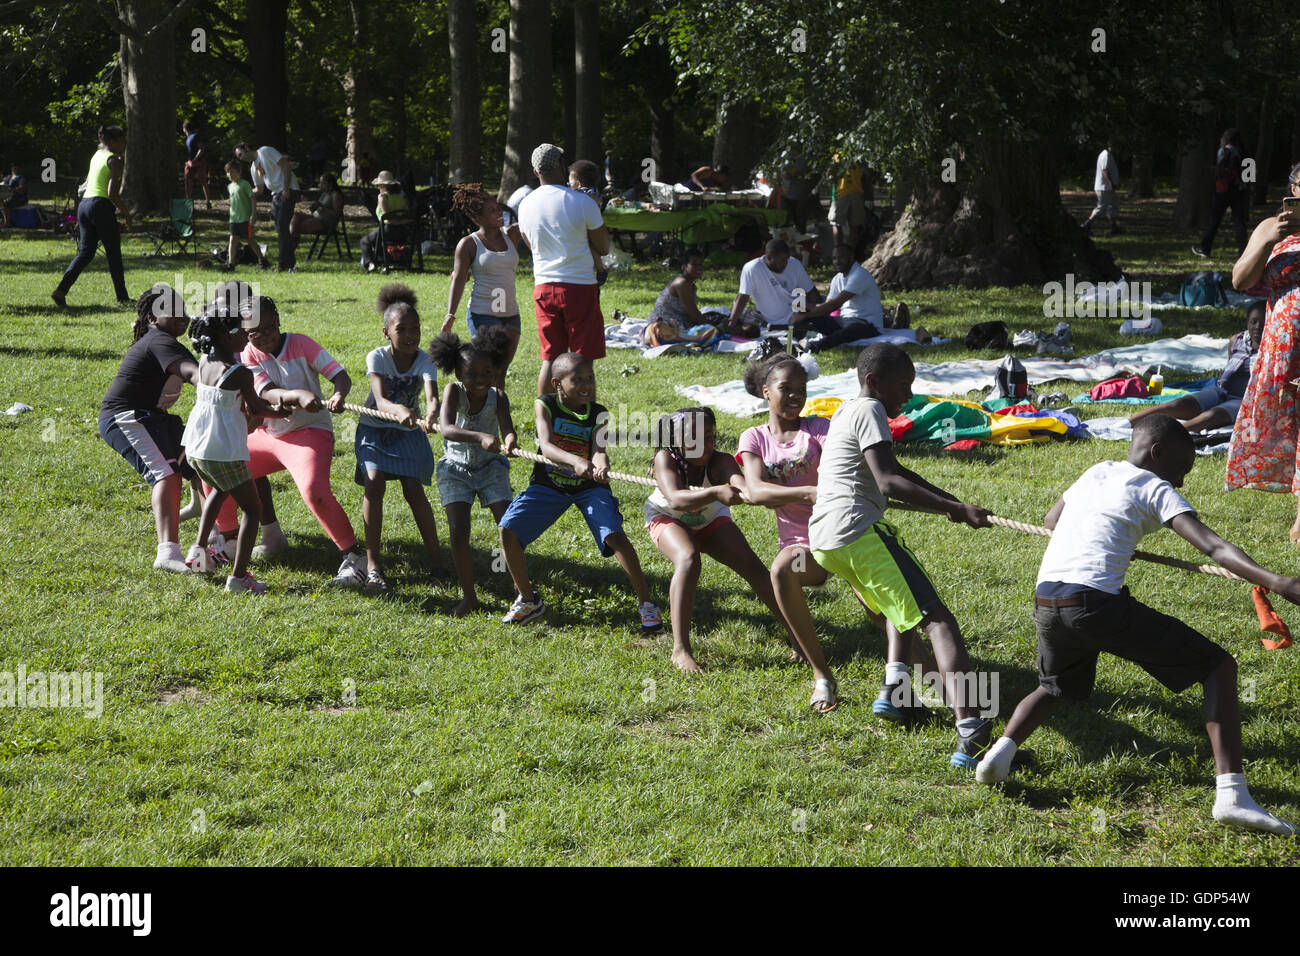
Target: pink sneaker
[[245, 585]]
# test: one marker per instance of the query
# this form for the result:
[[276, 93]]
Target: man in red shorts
[[563, 228]]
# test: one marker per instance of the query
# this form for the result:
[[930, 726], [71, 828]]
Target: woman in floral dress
[[1263, 451]]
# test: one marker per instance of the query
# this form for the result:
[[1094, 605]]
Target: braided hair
[[469, 199], [670, 435], [212, 322], [756, 375], [452, 355], [161, 299]]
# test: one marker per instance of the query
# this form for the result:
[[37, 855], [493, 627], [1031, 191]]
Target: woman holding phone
[[1263, 451], [96, 217]]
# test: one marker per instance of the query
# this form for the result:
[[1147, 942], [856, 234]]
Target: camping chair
[[340, 229], [177, 235], [399, 241]]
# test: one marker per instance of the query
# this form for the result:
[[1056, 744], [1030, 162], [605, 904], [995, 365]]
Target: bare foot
[[467, 606], [1295, 532], [684, 662]]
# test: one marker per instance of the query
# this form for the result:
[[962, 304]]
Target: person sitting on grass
[[849, 537], [571, 433], [677, 303], [399, 451], [1082, 608], [243, 217], [477, 436], [777, 285], [685, 522], [1216, 405]]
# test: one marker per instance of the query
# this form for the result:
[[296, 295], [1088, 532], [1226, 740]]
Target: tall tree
[[586, 63], [465, 155], [148, 59], [265, 24], [530, 112]]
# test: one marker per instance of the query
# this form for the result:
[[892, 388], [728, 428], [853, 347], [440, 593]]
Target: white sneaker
[[352, 572], [170, 559], [245, 585], [270, 548], [521, 612], [201, 560]]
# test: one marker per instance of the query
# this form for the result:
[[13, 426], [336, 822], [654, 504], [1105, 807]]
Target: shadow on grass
[[59, 351]]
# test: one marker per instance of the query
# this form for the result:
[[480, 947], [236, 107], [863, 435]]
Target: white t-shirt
[[1105, 162], [865, 304], [773, 292], [512, 204], [1107, 512], [403, 388], [849, 501], [272, 175], [555, 220]]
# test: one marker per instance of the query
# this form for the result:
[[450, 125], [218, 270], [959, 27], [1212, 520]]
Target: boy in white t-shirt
[[1082, 608]]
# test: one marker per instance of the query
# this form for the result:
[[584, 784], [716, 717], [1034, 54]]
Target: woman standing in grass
[[133, 424], [491, 257], [1263, 453], [96, 217]]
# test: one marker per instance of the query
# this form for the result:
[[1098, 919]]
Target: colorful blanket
[[956, 425]]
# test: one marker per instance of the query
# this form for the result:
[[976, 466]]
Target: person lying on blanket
[[1216, 405]]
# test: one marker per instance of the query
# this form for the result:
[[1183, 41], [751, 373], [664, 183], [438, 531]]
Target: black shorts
[[239, 229], [149, 440], [1071, 638]]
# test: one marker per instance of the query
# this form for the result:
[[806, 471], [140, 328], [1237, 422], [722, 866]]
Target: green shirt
[[99, 175], [241, 201]]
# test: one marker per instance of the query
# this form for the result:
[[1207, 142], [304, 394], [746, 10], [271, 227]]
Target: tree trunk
[[736, 140], [151, 165], [265, 25], [1196, 180], [1001, 223], [1144, 186], [586, 62], [1264, 142], [569, 97], [465, 160], [663, 144], [528, 121], [356, 90]]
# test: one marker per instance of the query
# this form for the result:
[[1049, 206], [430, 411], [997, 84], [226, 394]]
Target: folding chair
[[178, 235], [399, 241], [323, 240]]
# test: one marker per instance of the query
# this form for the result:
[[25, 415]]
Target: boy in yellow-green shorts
[[857, 475]]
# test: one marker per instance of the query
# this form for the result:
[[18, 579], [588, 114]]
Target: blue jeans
[[97, 220], [282, 213]]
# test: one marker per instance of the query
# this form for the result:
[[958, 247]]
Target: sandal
[[825, 696], [375, 582]]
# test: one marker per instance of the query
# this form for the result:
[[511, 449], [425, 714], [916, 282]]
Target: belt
[[1059, 602]]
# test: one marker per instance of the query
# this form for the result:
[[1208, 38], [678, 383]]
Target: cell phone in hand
[[1291, 204]]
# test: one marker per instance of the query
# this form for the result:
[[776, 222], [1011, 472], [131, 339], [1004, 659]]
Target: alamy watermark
[[969, 689], [77, 690], [1104, 300]]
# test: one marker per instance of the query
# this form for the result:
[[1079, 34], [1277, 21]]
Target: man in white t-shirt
[[855, 294], [777, 284], [563, 227], [273, 171], [1106, 185], [1082, 608]]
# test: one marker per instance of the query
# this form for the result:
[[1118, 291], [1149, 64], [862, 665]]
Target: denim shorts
[[490, 484], [1212, 396], [538, 507], [475, 321]]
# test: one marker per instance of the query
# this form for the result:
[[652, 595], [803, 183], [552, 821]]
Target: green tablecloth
[[710, 224]]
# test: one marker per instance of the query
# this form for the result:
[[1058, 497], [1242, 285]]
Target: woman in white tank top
[[490, 255]]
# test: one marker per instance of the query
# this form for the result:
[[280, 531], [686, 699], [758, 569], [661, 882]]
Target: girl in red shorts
[[685, 523]]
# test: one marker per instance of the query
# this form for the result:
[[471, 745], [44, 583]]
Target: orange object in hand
[[1269, 621]]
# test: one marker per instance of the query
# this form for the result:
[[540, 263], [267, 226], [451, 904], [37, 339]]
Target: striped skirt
[[394, 452]]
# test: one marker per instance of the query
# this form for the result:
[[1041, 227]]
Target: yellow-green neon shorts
[[886, 574]]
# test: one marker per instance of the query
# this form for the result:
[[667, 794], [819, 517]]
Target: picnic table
[[713, 223]]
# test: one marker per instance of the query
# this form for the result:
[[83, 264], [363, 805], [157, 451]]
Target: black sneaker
[[970, 747], [1198, 251]]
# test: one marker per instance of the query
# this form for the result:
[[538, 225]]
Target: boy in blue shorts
[[1082, 608], [848, 537], [570, 432]]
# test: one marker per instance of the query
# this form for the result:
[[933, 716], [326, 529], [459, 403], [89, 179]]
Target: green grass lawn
[[313, 726]]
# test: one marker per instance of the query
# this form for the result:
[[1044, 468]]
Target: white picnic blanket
[[1191, 353], [1119, 429]]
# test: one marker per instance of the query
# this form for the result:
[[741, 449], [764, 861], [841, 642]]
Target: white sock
[[996, 765], [896, 671], [271, 534], [1234, 806], [170, 558]]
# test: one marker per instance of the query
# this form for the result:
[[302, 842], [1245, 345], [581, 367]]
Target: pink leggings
[[306, 455]]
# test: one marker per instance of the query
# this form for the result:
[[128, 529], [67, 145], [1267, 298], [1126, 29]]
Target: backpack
[[1202, 288], [989, 335], [1227, 170], [1010, 380]]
